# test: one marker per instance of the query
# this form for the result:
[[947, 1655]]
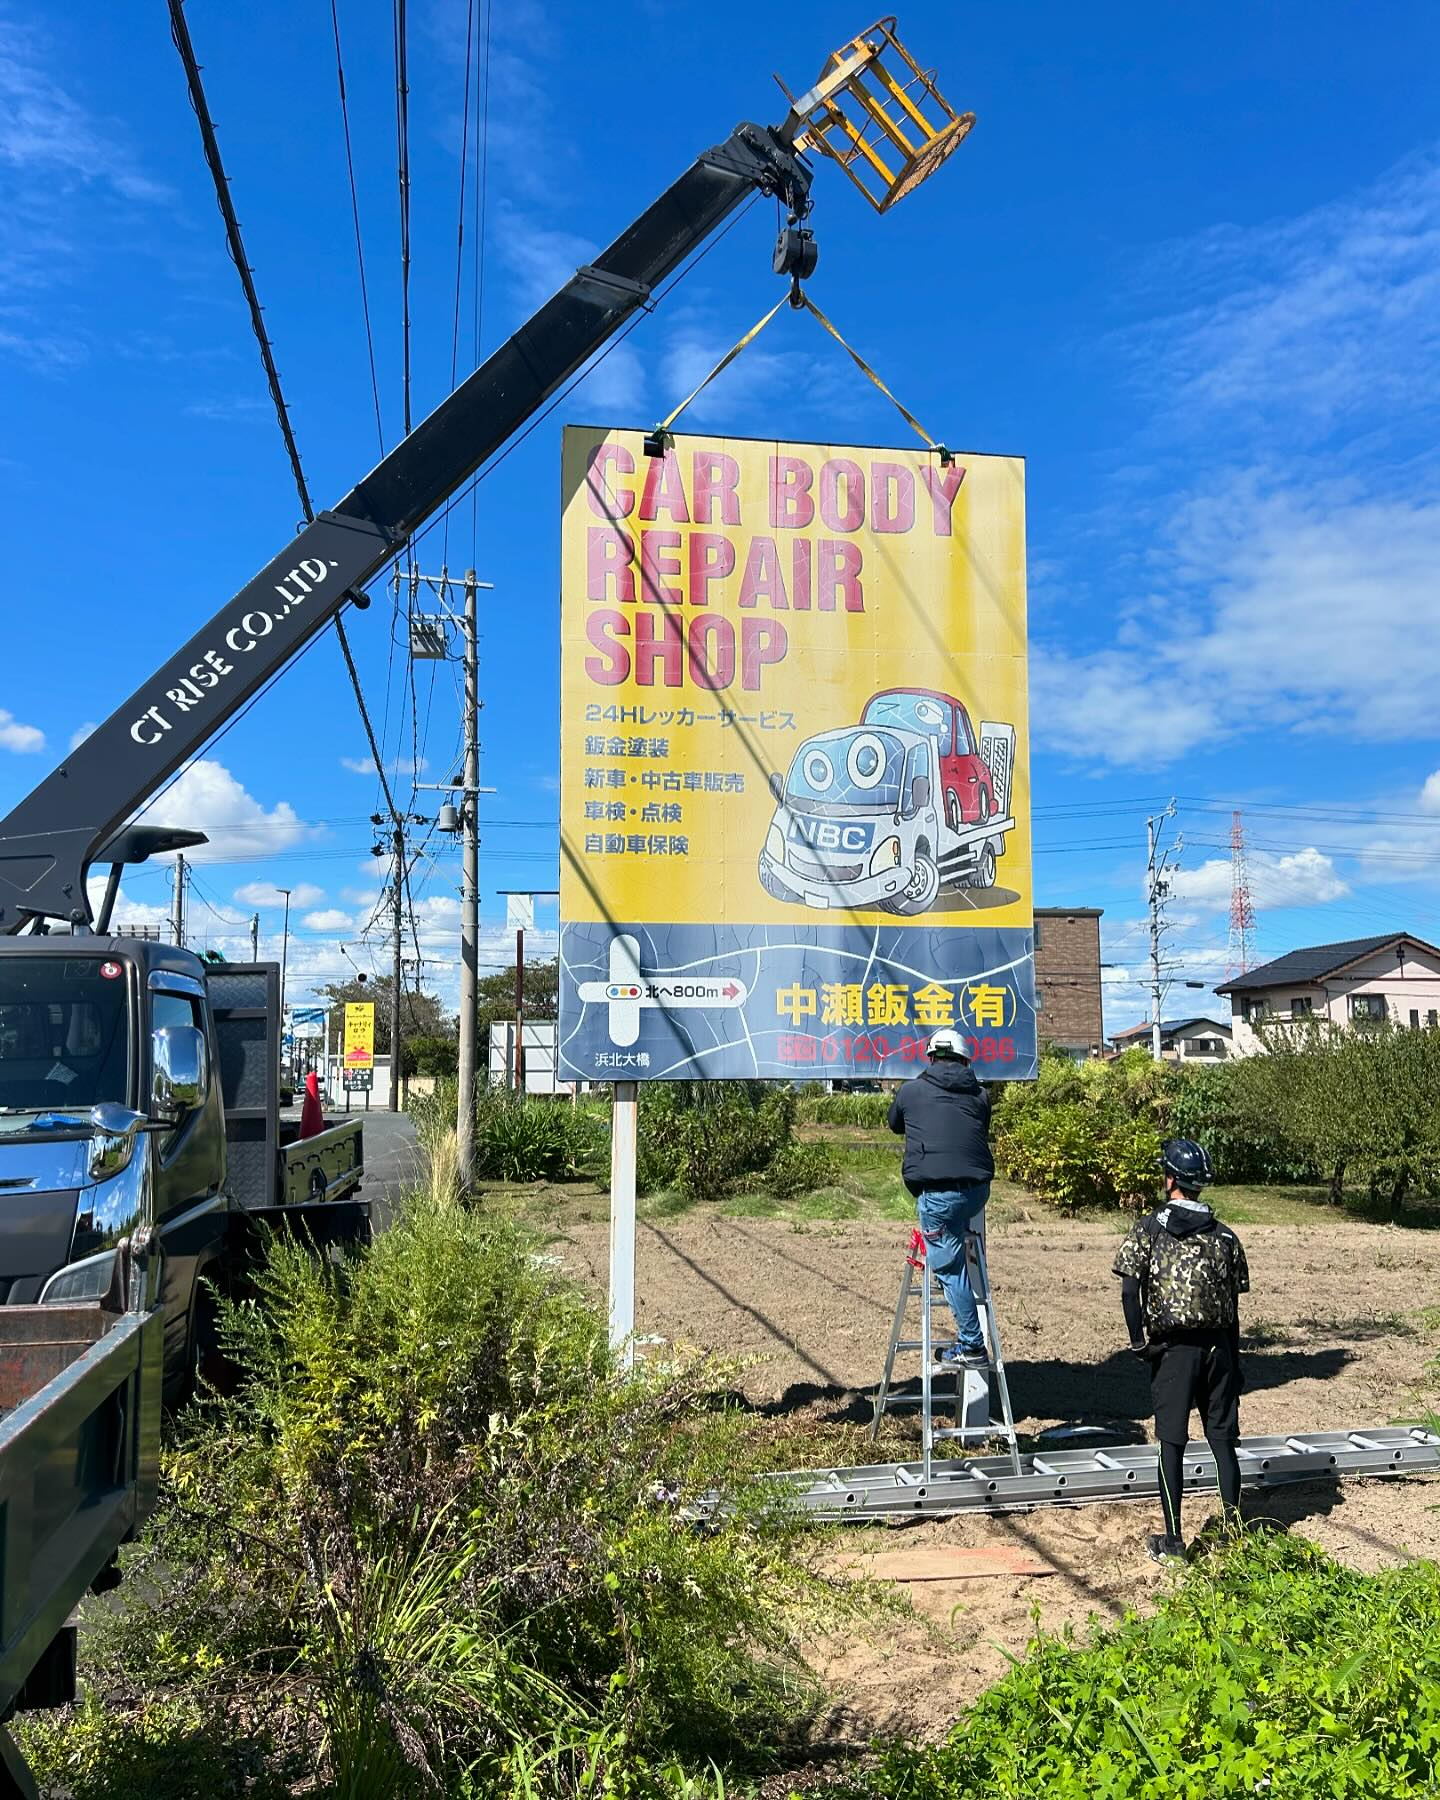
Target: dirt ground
[[1331, 1336]]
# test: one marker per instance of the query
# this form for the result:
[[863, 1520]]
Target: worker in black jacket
[[945, 1116], [1181, 1276]]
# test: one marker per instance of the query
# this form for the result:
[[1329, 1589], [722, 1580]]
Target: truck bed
[[79, 1460], [325, 1167]]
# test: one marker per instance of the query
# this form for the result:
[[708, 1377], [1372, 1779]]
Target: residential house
[[1181, 1040], [1362, 981], [1067, 979]]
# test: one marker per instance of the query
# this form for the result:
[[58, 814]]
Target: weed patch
[[1269, 1670], [441, 1537]]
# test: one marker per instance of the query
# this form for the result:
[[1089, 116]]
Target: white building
[[1181, 1040], [539, 1045], [1361, 981]]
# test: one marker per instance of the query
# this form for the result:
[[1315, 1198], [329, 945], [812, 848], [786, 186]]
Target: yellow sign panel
[[360, 1034], [795, 787], [734, 600]]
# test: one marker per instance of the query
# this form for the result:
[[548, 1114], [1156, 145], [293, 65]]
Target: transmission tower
[[1242, 911]]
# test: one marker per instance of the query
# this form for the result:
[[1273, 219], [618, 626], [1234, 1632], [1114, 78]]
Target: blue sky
[[1188, 264]]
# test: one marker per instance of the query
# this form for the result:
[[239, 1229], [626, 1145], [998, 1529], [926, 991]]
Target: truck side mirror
[[919, 794], [777, 786], [181, 1066]]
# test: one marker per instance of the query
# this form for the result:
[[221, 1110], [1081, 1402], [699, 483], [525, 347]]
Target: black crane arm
[[49, 839]]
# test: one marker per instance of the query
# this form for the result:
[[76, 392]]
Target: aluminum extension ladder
[[1113, 1472], [972, 1400]]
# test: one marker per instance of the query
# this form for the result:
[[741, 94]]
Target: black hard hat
[[1188, 1163]]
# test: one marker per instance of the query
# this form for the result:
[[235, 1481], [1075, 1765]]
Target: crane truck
[[139, 1137]]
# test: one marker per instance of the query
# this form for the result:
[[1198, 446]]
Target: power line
[[477, 248], [514, 443], [355, 218], [180, 32], [402, 153]]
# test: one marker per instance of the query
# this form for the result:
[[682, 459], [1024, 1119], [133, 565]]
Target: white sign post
[[624, 1112]]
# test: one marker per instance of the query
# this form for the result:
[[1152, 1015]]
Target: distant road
[[392, 1161]]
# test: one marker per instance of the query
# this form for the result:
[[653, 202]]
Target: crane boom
[[49, 839], [873, 110]]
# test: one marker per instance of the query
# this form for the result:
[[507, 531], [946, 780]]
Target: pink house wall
[[1413, 988]]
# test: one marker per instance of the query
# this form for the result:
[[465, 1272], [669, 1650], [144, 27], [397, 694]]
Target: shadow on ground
[[1113, 1394]]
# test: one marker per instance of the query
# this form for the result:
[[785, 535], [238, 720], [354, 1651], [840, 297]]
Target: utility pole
[[284, 950], [180, 900], [1155, 892], [1157, 888], [429, 641], [469, 891], [520, 1009], [399, 970], [254, 937]]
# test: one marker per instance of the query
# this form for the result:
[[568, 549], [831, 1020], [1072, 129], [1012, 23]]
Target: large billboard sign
[[795, 794]]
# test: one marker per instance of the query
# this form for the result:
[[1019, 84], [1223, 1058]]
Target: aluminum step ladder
[[1112, 1472], [974, 1422]]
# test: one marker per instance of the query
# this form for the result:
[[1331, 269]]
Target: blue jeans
[[945, 1216]]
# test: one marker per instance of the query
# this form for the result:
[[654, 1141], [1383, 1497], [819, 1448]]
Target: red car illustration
[[964, 774]]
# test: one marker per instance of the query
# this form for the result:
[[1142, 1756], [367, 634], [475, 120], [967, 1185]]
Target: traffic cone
[[312, 1114]]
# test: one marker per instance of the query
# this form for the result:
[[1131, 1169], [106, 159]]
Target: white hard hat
[[947, 1043]]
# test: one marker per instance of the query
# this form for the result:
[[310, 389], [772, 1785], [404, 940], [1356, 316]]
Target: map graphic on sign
[[359, 1050], [794, 769]]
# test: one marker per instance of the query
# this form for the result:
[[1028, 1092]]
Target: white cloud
[[330, 919], [265, 893], [1306, 878], [63, 169], [761, 371], [1308, 610], [208, 798], [231, 409], [1286, 583], [25, 740], [80, 733], [402, 766], [1335, 313]]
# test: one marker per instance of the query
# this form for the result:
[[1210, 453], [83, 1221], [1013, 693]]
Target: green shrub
[[1057, 1151], [535, 1139], [799, 1169], [168, 1747], [1271, 1670], [1130, 1161], [438, 1527], [869, 1110]]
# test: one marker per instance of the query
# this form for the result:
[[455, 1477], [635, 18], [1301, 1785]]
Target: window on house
[[1414, 1018], [1255, 1010], [1432, 1018], [1367, 1007], [1037, 934], [1302, 1007]]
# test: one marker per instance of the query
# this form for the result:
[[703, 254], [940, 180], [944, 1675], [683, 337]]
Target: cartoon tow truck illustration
[[890, 812]]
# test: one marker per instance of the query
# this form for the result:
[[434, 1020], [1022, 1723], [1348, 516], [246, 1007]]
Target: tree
[[421, 1014]]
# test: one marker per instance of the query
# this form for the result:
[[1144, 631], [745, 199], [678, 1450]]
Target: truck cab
[[966, 780], [90, 1022], [93, 1026], [856, 822]]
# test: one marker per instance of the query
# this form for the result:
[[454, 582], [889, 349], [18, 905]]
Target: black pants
[[1197, 1371]]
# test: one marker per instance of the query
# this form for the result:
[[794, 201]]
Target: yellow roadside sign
[[360, 1034]]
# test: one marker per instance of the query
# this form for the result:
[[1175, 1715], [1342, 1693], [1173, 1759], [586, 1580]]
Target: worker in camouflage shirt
[[1181, 1275]]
